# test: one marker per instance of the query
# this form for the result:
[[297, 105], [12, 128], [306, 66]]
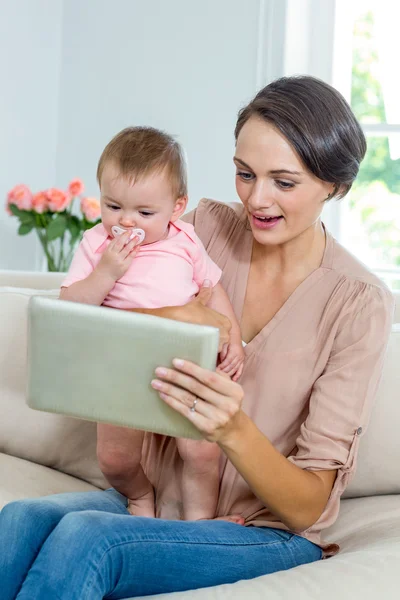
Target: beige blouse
[[310, 375]]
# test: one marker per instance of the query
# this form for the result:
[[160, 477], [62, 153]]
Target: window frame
[[318, 39], [342, 80]]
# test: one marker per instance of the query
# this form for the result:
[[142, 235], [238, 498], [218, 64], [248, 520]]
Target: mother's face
[[281, 197]]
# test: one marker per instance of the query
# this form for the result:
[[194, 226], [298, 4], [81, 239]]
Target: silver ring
[[193, 408]]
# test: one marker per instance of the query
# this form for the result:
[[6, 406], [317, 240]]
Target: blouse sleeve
[[212, 221], [342, 397], [190, 217]]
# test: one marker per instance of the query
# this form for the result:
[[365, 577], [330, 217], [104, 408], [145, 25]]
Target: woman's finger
[[199, 420], [185, 373], [210, 379], [201, 406], [206, 426], [205, 293], [185, 388]]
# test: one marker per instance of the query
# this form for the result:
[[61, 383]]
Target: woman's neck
[[295, 258]]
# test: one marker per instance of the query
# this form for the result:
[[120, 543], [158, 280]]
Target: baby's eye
[[245, 175], [145, 213], [113, 206]]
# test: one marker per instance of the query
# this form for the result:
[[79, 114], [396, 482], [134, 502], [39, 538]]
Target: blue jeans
[[86, 546]]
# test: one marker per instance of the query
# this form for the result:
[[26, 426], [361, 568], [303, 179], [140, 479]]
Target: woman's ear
[[335, 190], [179, 208]]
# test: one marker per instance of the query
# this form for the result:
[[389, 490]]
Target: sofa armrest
[[31, 279]]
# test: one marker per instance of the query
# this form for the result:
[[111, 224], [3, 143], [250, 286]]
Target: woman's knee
[[31, 509], [83, 530], [29, 519]]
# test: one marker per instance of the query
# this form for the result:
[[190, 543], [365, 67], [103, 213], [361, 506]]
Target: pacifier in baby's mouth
[[115, 230]]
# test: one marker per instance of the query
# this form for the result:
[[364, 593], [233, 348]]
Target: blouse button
[[359, 431]]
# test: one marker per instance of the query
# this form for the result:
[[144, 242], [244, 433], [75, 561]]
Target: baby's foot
[[238, 519], [143, 506]]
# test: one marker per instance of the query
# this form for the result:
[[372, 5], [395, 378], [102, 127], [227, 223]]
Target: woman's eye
[[285, 185], [245, 175]]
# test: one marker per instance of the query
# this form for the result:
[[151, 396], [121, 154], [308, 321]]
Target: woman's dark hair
[[317, 122]]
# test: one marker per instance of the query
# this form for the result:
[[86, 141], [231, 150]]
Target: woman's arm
[[297, 488], [296, 496]]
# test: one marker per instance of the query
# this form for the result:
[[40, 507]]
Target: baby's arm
[[233, 358], [92, 290], [113, 264]]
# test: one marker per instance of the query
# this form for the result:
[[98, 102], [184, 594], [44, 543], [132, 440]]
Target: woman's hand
[[197, 311], [210, 400]]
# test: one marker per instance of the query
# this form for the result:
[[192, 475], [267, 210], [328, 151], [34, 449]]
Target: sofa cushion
[[378, 470], [368, 532], [396, 318], [23, 479], [37, 280], [68, 445]]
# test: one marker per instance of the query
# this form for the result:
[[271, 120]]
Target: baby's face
[[147, 204]]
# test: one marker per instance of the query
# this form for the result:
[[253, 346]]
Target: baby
[[142, 179]]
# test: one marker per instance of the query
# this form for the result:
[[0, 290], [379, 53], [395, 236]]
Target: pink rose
[[75, 188], [8, 202], [21, 196], [91, 208], [58, 200], [40, 202]]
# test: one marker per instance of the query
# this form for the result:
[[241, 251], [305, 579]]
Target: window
[[365, 70]]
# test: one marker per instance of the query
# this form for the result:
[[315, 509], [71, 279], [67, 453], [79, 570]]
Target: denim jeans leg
[[92, 555], [26, 524]]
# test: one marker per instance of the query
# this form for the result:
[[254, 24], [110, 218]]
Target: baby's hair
[[139, 151]]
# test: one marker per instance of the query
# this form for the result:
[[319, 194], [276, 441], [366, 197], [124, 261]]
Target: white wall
[[308, 49], [30, 47], [78, 71], [182, 66]]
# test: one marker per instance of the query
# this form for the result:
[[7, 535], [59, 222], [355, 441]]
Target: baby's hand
[[118, 256], [232, 360]]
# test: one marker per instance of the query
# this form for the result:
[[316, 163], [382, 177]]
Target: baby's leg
[[200, 478], [119, 452]]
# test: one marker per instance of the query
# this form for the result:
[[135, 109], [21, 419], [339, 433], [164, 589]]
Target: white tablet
[[97, 363]]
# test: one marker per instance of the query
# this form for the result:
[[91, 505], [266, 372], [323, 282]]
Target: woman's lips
[[265, 222]]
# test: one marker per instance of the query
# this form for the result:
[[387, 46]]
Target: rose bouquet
[[50, 213]]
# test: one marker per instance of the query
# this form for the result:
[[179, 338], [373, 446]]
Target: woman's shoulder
[[215, 220], [215, 211], [364, 285]]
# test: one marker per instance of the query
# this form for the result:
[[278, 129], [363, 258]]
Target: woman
[[316, 323]]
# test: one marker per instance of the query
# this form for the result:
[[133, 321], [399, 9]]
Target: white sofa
[[44, 454]]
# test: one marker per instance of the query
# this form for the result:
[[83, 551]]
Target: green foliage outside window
[[375, 197]]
